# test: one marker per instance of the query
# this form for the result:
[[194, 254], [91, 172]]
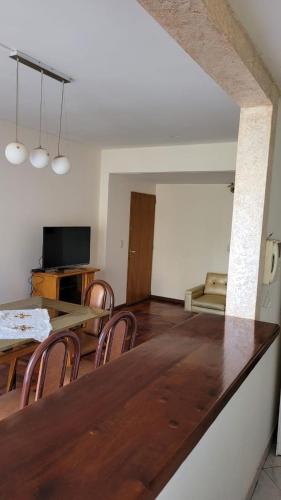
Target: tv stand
[[64, 270], [67, 285]]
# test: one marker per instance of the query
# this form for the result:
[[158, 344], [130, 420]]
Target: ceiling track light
[[16, 153], [39, 66]]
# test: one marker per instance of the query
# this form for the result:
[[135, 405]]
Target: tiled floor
[[269, 484]]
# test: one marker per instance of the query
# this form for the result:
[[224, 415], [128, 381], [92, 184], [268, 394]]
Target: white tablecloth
[[25, 324]]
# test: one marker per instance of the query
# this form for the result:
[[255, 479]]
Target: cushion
[[216, 283], [210, 301]]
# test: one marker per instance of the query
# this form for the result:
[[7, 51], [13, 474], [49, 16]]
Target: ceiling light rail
[[39, 66], [16, 152]]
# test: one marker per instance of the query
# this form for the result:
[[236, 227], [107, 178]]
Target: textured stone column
[[252, 180]]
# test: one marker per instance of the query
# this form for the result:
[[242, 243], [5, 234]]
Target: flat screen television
[[66, 246]]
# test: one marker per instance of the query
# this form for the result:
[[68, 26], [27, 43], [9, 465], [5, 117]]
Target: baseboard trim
[[159, 298], [116, 308], [121, 306], [167, 299]]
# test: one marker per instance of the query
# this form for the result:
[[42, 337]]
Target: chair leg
[[11, 382]]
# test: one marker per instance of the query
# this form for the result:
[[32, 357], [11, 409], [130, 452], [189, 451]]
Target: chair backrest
[[99, 295], [117, 336], [216, 284], [51, 356]]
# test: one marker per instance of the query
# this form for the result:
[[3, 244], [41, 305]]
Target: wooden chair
[[98, 294], [51, 357], [117, 337]]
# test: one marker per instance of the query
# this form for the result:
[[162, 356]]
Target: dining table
[[63, 316]]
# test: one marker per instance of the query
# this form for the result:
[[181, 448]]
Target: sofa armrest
[[192, 293]]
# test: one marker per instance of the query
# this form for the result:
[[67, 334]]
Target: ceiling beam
[[208, 31]]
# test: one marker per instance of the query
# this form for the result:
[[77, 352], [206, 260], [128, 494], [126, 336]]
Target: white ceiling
[[184, 177], [133, 85], [261, 19]]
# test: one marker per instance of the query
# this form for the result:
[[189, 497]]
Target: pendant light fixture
[[16, 152], [39, 157], [61, 164]]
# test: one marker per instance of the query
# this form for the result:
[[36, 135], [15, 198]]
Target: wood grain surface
[[121, 432]]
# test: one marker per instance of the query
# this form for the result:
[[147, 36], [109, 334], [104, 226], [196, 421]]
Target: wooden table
[[63, 315], [122, 431]]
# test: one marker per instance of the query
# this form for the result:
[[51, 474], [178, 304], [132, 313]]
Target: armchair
[[209, 297]]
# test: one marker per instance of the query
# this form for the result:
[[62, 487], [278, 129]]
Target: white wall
[[271, 296], [188, 158], [192, 235], [119, 197], [192, 157], [31, 198]]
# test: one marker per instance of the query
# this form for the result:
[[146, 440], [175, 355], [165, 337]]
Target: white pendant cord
[[17, 99], [61, 110], [61, 164], [41, 98], [16, 152], [45, 126], [6, 47]]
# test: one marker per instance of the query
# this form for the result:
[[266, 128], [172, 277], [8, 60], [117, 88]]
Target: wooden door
[[141, 235]]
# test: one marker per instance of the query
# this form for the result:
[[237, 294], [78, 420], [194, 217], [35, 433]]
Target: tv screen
[[66, 246]]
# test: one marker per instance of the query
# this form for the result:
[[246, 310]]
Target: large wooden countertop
[[122, 431]]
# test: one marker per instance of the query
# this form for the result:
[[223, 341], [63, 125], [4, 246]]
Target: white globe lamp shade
[[61, 165], [16, 153], [39, 157]]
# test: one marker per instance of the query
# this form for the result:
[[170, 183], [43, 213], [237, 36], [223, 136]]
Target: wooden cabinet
[[68, 285]]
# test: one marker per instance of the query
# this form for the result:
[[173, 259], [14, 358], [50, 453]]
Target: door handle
[[132, 251]]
